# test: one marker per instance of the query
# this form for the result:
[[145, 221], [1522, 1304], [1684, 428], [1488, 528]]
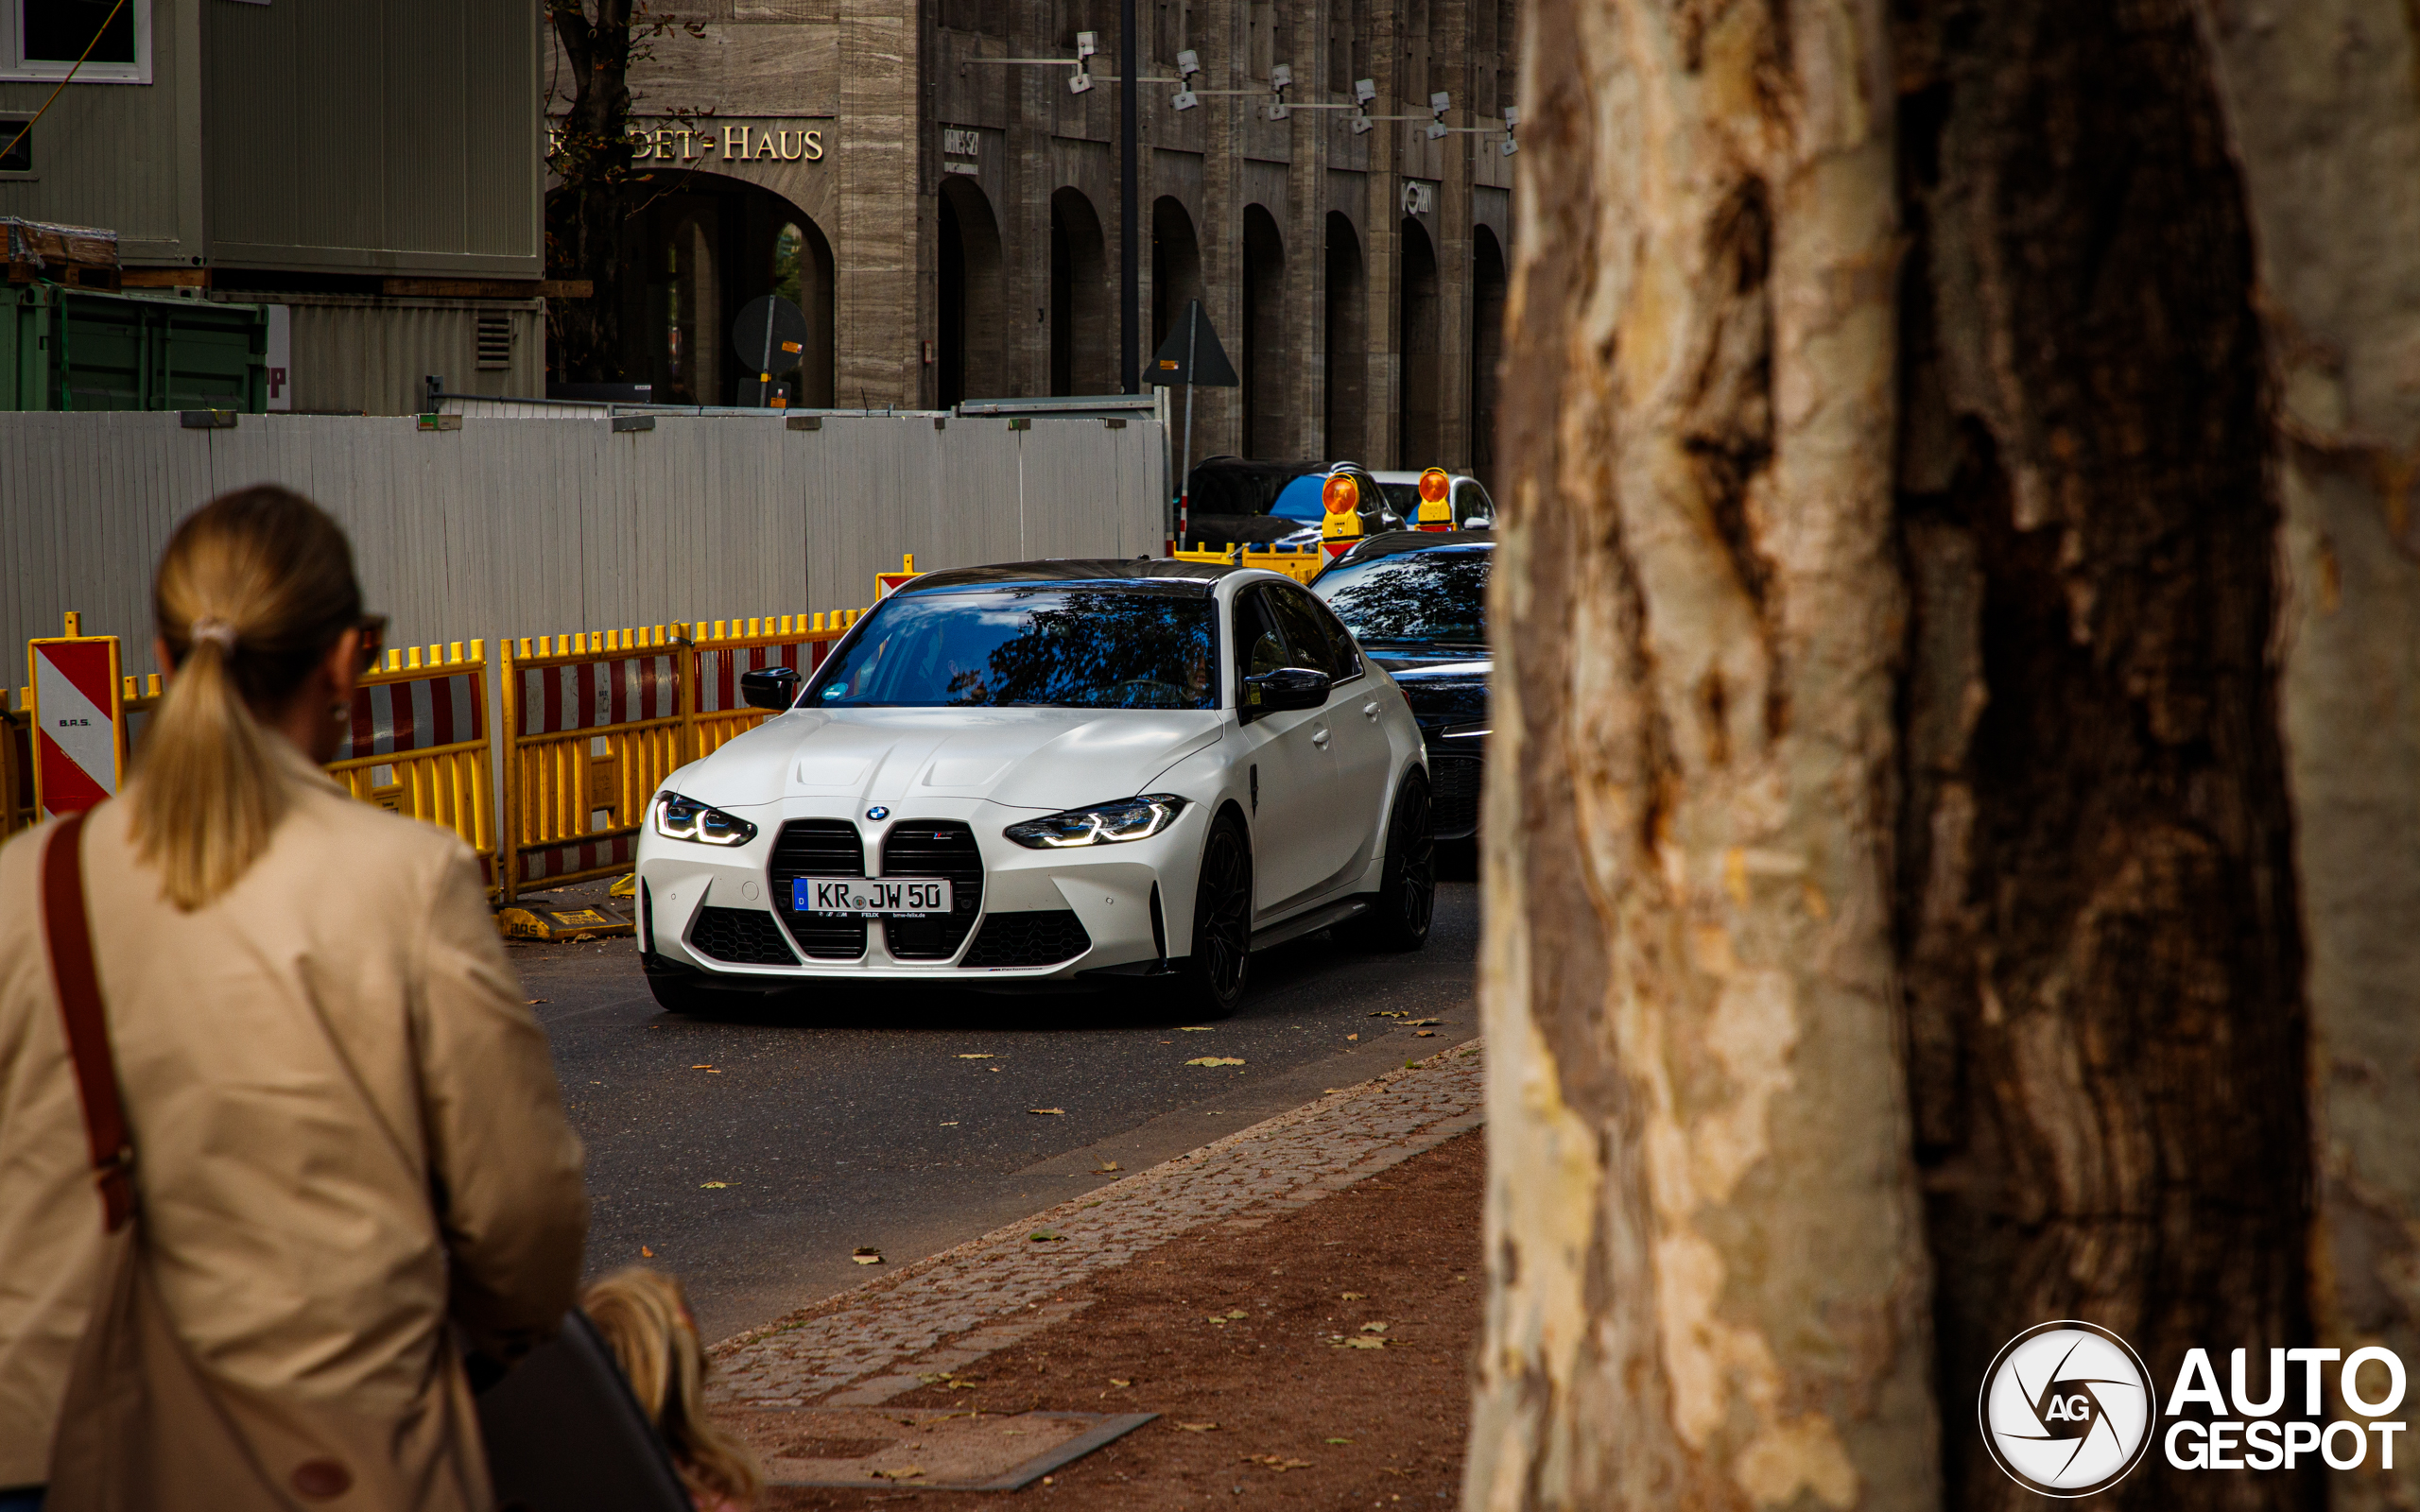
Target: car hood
[[1443, 687], [1041, 759]]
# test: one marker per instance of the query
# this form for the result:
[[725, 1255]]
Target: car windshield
[[1437, 596], [1045, 645], [1404, 498]]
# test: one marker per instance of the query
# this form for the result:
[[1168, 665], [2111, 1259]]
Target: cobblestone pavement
[[945, 1312]]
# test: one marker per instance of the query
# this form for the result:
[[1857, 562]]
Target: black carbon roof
[[1396, 542], [1158, 572]]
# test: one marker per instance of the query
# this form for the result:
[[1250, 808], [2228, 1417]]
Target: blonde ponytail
[[255, 589]]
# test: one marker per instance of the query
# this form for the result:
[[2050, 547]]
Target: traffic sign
[[770, 337], [885, 584], [79, 753]]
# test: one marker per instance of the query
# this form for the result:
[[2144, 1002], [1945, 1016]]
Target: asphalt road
[[898, 1120]]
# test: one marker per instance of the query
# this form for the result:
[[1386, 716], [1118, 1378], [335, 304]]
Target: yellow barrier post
[[418, 743]]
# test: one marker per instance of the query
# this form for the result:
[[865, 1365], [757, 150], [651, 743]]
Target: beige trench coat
[[346, 1128]]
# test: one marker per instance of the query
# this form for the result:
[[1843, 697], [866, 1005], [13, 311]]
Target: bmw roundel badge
[[878, 813]]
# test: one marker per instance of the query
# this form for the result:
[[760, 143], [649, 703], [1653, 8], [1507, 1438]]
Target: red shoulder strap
[[70, 933]]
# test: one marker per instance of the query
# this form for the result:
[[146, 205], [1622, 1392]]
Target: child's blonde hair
[[646, 1318]]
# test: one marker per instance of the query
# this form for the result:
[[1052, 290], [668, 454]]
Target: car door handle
[[1319, 737], [1370, 707]]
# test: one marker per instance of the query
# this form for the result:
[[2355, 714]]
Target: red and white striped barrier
[[78, 749]]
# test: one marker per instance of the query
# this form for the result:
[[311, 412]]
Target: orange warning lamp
[[1343, 525], [1436, 511]]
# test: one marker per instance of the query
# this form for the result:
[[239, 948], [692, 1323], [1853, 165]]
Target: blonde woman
[[646, 1318], [347, 1138]]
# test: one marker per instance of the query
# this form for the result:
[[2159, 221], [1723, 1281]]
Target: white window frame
[[15, 68]]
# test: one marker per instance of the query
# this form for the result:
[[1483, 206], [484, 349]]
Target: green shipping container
[[68, 350]]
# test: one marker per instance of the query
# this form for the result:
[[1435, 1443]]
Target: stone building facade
[[919, 194]]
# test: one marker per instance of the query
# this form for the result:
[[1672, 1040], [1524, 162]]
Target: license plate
[[869, 894]]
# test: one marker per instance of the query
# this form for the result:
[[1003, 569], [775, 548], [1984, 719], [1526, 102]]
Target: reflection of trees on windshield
[[1082, 648], [1108, 649], [1425, 596]]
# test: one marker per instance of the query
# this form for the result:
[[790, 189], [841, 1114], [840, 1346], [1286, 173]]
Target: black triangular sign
[[1191, 354]]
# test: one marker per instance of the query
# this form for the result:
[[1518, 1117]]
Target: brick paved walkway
[[945, 1312]]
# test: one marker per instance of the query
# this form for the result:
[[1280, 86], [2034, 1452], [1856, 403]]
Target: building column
[[884, 305]]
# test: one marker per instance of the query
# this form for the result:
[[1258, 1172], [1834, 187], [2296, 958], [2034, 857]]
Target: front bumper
[[726, 911]]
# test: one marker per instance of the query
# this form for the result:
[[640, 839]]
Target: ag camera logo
[[2066, 1409]]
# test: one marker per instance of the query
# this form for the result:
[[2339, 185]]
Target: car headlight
[[685, 819], [1129, 818]]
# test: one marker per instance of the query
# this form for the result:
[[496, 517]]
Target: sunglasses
[[373, 639]]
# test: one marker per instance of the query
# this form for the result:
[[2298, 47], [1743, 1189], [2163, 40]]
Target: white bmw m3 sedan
[[1053, 772]]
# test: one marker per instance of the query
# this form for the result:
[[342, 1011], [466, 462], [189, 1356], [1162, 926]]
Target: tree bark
[[1958, 724], [2097, 896], [2323, 105], [1708, 1285]]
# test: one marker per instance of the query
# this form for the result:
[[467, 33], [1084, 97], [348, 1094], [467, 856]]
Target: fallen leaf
[[646, 1253], [1352, 1297], [1197, 1428], [952, 1123], [1420, 1024], [1462, 1278], [1364, 1344], [992, 1068], [1044, 1236], [1391, 1013], [906, 1474], [1353, 1036], [1213, 1060], [1107, 1166], [1195, 1028], [1216, 1318], [865, 1255], [1277, 1462], [1338, 1440], [984, 1057], [1373, 1328], [1235, 1311], [1119, 1385], [703, 1065], [1424, 1034], [534, 1001], [1045, 1110], [709, 1186]]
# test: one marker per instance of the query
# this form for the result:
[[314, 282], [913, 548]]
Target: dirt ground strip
[[1329, 1346]]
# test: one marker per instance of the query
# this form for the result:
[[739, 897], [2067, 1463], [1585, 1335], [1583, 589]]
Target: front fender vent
[[1043, 937]]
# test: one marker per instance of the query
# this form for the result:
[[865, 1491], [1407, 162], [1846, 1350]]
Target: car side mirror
[[774, 688], [1286, 688]]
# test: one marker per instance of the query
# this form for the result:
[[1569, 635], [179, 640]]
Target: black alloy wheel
[[1214, 974], [1400, 910]]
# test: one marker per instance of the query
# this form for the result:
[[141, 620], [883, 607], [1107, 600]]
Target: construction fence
[[593, 723]]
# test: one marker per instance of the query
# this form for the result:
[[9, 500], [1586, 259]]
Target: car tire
[[1212, 979], [677, 991], [1405, 901]]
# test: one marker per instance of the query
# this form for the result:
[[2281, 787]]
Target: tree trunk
[[1708, 1279], [2096, 890], [2332, 82], [1958, 677], [586, 212]]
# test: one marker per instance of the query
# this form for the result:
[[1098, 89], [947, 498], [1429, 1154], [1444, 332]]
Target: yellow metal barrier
[[1302, 566], [733, 646], [418, 742], [594, 723]]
